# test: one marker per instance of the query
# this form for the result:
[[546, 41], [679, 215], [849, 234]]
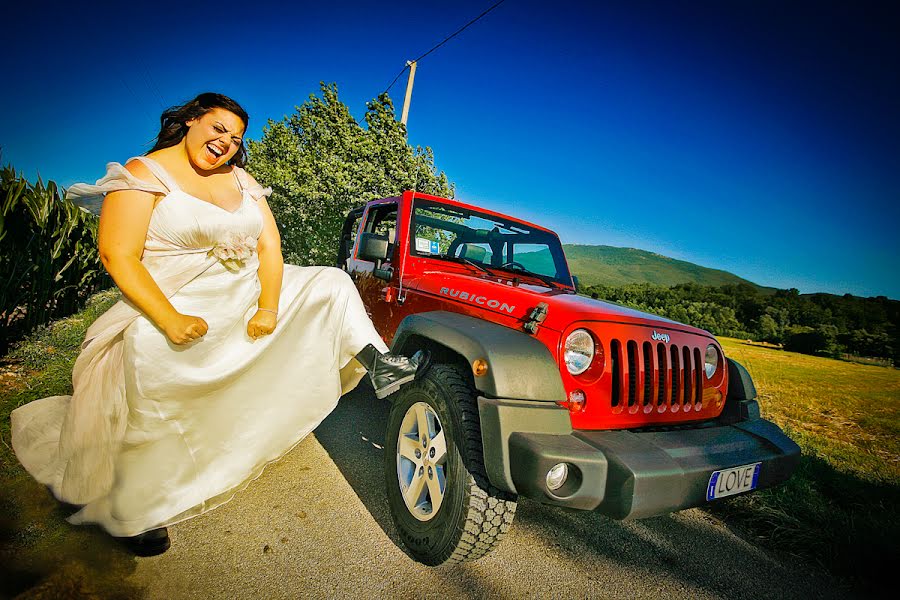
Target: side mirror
[[373, 247]]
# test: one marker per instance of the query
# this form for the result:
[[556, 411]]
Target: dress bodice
[[182, 221]]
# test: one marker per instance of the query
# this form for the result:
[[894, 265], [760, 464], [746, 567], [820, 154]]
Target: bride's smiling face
[[214, 138]]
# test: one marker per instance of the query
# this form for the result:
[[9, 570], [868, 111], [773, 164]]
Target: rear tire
[[445, 509]]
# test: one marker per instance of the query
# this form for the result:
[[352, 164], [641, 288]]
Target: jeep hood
[[564, 306]]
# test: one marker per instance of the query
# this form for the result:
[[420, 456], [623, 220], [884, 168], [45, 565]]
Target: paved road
[[316, 524]]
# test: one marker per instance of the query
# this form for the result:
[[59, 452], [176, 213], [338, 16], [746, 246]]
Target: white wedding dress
[[156, 433]]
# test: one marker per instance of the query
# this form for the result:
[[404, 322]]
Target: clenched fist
[[183, 329], [260, 324]]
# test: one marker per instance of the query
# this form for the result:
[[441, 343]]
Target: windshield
[[489, 242]]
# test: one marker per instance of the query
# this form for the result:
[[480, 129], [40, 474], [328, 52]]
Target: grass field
[[840, 509]]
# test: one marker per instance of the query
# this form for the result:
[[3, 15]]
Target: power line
[[460, 30], [444, 41], [151, 84], [388, 88]]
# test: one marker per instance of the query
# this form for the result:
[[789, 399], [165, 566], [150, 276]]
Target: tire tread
[[479, 533]]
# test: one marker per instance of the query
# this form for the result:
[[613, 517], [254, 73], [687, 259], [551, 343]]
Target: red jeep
[[535, 390]]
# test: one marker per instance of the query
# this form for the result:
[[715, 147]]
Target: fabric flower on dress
[[234, 250]]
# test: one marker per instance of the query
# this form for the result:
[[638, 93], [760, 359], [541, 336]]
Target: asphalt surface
[[316, 524]]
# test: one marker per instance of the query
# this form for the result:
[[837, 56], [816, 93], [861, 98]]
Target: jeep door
[[378, 294]]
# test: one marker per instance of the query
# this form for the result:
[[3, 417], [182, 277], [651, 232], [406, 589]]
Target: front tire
[[442, 503]]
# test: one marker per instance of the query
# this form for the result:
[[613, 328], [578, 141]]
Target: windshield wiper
[[545, 278], [524, 272], [464, 260]]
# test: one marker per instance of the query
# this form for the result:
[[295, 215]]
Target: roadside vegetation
[[842, 507]]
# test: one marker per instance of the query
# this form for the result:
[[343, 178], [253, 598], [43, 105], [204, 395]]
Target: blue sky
[[757, 137]]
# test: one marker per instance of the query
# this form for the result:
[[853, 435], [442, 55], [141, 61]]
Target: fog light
[[557, 475]]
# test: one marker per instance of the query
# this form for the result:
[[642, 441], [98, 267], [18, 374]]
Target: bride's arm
[[124, 220], [271, 270]]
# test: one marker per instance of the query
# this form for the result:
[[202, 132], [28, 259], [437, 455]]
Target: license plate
[[729, 482]]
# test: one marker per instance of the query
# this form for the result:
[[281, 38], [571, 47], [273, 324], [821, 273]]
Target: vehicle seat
[[472, 252]]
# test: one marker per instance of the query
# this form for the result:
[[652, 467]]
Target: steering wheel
[[513, 263]]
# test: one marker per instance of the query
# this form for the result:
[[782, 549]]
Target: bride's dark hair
[[172, 122]]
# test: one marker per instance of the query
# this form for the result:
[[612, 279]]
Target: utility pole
[[409, 86]]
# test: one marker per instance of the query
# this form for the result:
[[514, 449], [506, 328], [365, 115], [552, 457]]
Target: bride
[[218, 360]]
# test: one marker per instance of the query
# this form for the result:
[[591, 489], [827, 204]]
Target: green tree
[[321, 163], [768, 329], [808, 340]]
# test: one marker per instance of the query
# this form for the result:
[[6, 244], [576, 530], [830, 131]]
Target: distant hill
[[608, 265], [93, 206]]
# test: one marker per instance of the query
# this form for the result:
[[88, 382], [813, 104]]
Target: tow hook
[[536, 317]]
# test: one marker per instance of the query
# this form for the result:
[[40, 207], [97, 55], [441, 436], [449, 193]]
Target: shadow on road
[[353, 435], [670, 547], [42, 556]]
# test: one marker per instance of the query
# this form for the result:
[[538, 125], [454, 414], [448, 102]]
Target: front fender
[[740, 402], [519, 366]]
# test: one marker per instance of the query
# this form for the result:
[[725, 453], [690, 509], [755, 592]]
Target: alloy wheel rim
[[422, 461]]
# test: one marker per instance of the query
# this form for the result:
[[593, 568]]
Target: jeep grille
[[652, 374]]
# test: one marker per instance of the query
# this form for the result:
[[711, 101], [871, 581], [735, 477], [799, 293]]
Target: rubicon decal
[[660, 337], [476, 299]]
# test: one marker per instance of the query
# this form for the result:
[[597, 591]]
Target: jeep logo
[[660, 337], [482, 300]]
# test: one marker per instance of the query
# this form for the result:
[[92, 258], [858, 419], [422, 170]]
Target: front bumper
[[623, 474]]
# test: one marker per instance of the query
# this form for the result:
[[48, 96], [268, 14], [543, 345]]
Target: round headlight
[[579, 351], [712, 361]]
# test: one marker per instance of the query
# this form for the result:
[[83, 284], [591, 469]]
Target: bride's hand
[[183, 329], [262, 323]]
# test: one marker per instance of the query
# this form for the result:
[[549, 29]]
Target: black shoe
[[149, 543], [390, 371], [68, 509]]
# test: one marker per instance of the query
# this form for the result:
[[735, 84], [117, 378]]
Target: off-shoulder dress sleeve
[[255, 190], [117, 178]]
